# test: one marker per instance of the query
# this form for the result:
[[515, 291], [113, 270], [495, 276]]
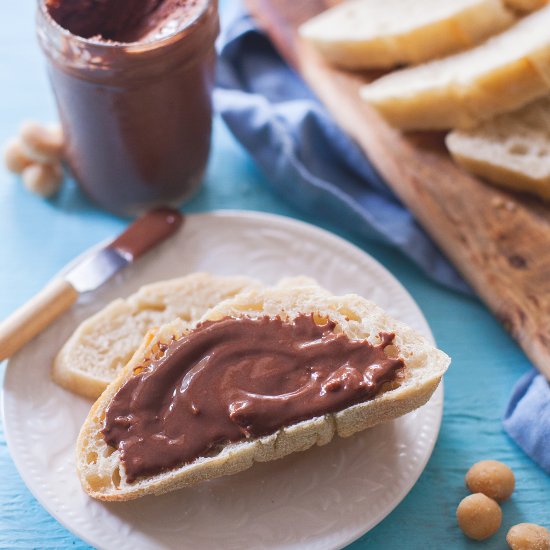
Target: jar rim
[[130, 47]]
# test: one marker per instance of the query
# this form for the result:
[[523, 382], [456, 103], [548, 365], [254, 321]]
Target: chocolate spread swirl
[[237, 378]]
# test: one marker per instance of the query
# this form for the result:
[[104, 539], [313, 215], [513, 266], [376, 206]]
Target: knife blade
[[142, 235], [89, 274]]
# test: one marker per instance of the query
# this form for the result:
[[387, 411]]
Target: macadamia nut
[[492, 478], [57, 132], [478, 516], [528, 536], [43, 179], [42, 144], [15, 158]]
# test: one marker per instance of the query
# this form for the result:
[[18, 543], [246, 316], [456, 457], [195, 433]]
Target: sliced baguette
[[102, 473], [513, 150], [102, 345], [370, 34], [501, 75]]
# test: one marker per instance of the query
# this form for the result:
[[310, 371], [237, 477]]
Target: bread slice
[[513, 150], [102, 473], [102, 345], [370, 34], [501, 75], [524, 6]]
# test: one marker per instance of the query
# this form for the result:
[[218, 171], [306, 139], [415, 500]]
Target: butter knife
[[93, 271]]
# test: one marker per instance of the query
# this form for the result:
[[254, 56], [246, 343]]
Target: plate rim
[[285, 220]]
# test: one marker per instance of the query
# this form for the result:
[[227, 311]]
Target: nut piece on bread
[[102, 345], [102, 472], [513, 150], [369, 34], [503, 74]]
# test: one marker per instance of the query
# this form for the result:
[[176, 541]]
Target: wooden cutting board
[[499, 241]]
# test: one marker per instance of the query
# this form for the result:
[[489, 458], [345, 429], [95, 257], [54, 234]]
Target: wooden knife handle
[[37, 314]]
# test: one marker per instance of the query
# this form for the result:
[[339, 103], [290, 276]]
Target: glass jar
[[137, 116]]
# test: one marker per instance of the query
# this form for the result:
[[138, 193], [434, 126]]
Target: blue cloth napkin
[[308, 159], [527, 418], [321, 171]]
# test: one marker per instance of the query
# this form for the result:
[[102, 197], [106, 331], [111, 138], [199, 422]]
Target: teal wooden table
[[38, 237]]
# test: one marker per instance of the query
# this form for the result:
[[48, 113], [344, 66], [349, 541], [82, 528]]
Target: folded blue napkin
[[308, 159], [527, 418], [321, 171]]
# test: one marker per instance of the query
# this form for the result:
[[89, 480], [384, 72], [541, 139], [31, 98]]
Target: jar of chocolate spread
[[133, 84]]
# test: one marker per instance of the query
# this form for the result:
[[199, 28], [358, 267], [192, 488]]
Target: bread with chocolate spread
[[101, 345], [405, 371]]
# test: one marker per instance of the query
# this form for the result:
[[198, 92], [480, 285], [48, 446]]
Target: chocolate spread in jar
[[128, 21], [236, 378], [133, 84]]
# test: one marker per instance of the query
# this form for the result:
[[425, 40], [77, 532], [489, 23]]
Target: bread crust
[[512, 151], [102, 474], [432, 35], [101, 345], [525, 6], [463, 90]]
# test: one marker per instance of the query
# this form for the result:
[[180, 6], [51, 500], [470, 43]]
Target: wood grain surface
[[499, 241]]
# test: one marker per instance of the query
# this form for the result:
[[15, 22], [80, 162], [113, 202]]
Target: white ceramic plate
[[323, 498]]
